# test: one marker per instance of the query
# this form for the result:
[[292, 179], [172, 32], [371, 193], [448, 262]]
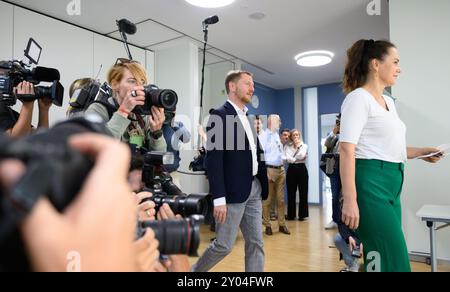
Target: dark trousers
[[336, 186], [297, 179]]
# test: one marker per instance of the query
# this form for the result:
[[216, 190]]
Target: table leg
[[432, 246]]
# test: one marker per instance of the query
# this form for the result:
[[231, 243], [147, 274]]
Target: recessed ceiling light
[[257, 16], [314, 58], [210, 3]]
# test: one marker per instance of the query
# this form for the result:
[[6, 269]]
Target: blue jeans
[[336, 186], [344, 248]]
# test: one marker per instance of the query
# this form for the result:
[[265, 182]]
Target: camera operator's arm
[[44, 108], [117, 125], [23, 125], [99, 227], [178, 263], [182, 133], [154, 132]]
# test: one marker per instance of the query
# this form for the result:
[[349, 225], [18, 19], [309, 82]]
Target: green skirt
[[378, 185]]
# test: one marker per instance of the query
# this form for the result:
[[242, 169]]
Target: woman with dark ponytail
[[372, 155]]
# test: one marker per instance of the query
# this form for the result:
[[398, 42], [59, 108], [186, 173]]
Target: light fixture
[[210, 3], [314, 58]]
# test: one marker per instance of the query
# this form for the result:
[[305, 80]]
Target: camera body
[[14, 72], [93, 92], [53, 169], [163, 98], [160, 184]]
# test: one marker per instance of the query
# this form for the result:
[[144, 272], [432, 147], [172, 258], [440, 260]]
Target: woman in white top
[[295, 154], [372, 156]]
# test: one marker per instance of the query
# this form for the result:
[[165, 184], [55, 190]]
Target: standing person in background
[[332, 169], [273, 151], [373, 153], [175, 133], [295, 154]]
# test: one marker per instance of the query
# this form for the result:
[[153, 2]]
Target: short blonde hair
[[115, 74]]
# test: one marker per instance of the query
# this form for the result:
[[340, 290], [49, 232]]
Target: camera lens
[[163, 98], [186, 205], [177, 236]]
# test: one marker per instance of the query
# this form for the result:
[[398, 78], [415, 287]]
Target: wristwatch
[[156, 134]]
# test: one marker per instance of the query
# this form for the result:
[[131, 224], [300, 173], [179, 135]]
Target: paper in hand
[[444, 150]]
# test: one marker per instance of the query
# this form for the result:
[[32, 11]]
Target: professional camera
[[176, 236], [164, 98], [53, 169], [14, 72], [160, 184], [93, 92]]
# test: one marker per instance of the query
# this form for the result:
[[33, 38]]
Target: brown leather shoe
[[269, 230], [283, 229]]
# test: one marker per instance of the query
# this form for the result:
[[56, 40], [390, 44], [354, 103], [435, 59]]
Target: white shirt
[[376, 132], [292, 156], [242, 114], [273, 149]]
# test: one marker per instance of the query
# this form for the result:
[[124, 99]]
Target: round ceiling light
[[314, 58], [210, 3]]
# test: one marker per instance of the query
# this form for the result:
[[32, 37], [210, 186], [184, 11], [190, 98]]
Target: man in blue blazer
[[237, 177]]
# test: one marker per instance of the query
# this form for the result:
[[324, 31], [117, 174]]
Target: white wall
[[64, 47], [216, 96], [6, 33], [421, 31], [106, 52], [177, 68], [75, 52], [311, 137]]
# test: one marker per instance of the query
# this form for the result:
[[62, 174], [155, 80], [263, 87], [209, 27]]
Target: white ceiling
[[268, 45]]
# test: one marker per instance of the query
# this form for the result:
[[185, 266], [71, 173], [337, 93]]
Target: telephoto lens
[[186, 205], [176, 236]]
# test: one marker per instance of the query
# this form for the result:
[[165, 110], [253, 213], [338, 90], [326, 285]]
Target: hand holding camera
[[133, 98], [356, 247]]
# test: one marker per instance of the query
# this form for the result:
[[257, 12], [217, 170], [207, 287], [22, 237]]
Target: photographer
[[103, 241], [127, 79], [17, 125], [174, 134]]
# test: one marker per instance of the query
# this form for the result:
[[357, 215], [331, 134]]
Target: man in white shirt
[[273, 152]]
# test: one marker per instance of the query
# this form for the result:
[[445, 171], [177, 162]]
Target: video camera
[[160, 184], [53, 169], [14, 72]]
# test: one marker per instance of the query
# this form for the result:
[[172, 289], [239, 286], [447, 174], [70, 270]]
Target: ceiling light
[[210, 3], [314, 58]]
